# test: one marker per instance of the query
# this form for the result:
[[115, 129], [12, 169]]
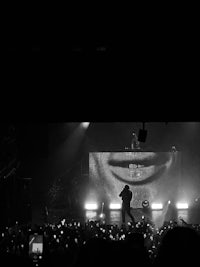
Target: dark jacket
[[126, 195]]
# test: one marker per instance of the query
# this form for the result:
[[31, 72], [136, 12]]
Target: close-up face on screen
[[150, 175]]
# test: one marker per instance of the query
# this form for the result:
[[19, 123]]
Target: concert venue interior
[[64, 175]]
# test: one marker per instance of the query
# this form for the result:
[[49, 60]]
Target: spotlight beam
[[91, 206], [156, 206], [115, 206], [181, 206], [85, 125]]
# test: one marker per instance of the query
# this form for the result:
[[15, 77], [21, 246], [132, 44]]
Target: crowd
[[95, 243]]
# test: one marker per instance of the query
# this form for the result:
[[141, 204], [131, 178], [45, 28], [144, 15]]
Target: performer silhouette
[[126, 196]]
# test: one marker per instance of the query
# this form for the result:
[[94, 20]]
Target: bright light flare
[[181, 206], [102, 215], [91, 206], [85, 124], [156, 206], [115, 206]]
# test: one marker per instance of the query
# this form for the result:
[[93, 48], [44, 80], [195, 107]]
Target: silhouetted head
[[180, 243], [126, 187], [136, 239]]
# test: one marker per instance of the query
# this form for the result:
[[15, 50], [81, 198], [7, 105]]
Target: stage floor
[[158, 217]]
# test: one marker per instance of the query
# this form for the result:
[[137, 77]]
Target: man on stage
[[126, 196]]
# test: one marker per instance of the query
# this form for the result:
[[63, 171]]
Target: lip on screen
[[138, 167]]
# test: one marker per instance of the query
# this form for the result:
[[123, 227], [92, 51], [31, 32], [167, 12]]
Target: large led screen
[[152, 176]]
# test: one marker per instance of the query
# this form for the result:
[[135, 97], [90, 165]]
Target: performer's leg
[[130, 215], [123, 215]]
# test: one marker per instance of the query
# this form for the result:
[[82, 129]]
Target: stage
[[157, 217]]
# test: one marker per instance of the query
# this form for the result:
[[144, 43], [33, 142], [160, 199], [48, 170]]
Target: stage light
[[91, 206], [169, 202], [85, 124], [174, 149], [145, 204], [102, 215], [181, 206], [115, 206], [156, 206]]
